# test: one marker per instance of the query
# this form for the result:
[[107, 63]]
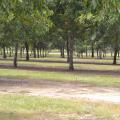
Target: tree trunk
[[43, 52], [21, 52], [0, 52], [62, 52], [100, 54], [68, 52], [116, 49], [4, 52], [38, 53], [111, 53], [34, 50], [92, 50], [10, 52], [115, 56], [71, 41], [16, 55], [86, 52], [27, 51], [97, 53]]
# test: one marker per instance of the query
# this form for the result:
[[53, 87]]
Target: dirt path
[[59, 90]]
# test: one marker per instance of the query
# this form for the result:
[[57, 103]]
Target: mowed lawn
[[92, 79], [84, 64], [20, 107]]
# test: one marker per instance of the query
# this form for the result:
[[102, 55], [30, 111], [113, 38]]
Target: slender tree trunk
[[4, 52], [86, 51], [97, 53], [34, 50], [21, 51], [0, 52], [43, 53], [111, 53], [40, 52], [116, 49], [71, 41], [38, 55], [27, 51], [92, 47], [68, 52], [100, 54], [10, 52], [62, 52], [16, 55], [105, 53], [115, 56]]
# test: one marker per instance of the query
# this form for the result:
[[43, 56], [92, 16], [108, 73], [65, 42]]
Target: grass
[[92, 79], [98, 80], [65, 65], [21, 107], [12, 106]]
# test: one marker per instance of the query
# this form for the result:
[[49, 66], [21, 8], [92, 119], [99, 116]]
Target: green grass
[[98, 80], [12, 106], [65, 65], [20, 107]]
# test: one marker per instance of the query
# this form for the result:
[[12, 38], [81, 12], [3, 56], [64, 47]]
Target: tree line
[[33, 27]]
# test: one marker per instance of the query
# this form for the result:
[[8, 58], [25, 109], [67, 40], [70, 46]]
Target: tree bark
[[27, 51], [68, 52], [62, 52], [34, 50], [100, 54], [4, 53], [111, 53], [115, 56], [71, 41], [38, 52], [21, 51], [10, 52], [116, 49], [97, 53], [86, 51], [16, 55], [92, 47]]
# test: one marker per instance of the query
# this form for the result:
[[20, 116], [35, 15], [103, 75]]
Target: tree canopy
[[72, 25]]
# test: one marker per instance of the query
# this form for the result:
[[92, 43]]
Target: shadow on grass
[[44, 116], [28, 116], [53, 69]]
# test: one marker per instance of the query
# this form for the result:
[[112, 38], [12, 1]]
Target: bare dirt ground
[[59, 90]]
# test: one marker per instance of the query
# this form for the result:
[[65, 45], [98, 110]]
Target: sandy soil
[[59, 90]]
